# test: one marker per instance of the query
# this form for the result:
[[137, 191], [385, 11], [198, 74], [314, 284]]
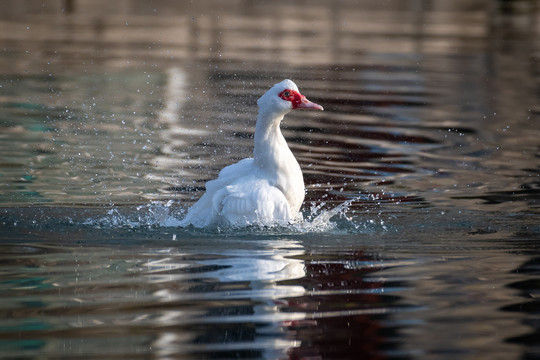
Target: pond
[[421, 218]]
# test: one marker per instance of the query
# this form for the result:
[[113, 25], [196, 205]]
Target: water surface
[[421, 228]]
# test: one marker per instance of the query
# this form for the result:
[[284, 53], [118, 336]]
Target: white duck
[[266, 189]]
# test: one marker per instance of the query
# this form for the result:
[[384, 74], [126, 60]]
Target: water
[[421, 230]]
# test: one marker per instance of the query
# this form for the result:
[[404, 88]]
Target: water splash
[[168, 214], [337, 218], [154, 214]]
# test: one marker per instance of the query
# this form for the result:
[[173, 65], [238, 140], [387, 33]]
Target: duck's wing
[[252, 201], [203, 212]]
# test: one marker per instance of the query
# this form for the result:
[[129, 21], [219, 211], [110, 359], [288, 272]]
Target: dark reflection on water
[[422, 176], [529, 289]]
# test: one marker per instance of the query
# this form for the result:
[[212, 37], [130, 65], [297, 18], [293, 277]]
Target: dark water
[[421, 232]]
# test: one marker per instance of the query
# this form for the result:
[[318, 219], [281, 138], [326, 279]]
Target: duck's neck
[[271, 149], [274, 158]]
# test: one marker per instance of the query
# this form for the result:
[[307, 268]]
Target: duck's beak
[[306, 104]]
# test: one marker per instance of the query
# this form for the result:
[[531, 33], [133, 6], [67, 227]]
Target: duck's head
[[284, 97]]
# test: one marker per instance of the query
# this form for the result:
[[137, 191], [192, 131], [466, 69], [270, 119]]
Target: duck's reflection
[[267, 300], [228, 302]]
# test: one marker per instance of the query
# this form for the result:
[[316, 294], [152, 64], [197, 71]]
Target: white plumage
[[267, 189]]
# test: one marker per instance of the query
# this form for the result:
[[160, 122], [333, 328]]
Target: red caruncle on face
[[293, 96]]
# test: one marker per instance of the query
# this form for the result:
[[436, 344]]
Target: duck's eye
[[287, 95]]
